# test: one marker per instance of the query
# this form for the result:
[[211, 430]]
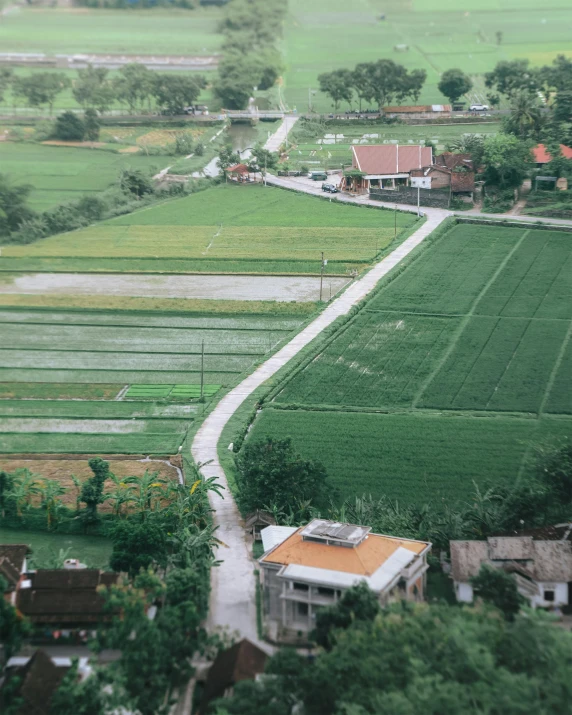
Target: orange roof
[[363, 559], [238, 169], [543, 156]]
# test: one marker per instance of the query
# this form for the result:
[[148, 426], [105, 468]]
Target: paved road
[[233, 589]]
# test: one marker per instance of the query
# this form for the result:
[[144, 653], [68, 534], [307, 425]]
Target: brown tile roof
[[453, 161], [363, 559], [64, 596], [16, 553], [543, 560], [463, 181], [243, 661], [238, 169], [40, 678], [390, 158]]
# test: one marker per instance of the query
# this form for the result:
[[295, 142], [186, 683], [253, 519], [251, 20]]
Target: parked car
[[479, 108], [317, 175], [330, 188]]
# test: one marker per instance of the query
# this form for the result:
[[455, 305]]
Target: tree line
[[135, 86]]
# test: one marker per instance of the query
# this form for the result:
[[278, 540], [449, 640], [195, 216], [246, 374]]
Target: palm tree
[[50, 491], [525, 118]]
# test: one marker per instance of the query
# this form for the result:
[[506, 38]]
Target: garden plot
[[106, 409], [223, 287], [469, 348]]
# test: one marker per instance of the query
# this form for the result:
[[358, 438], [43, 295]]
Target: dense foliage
[[436, 660]]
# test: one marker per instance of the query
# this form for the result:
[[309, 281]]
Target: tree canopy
[[454, 84]]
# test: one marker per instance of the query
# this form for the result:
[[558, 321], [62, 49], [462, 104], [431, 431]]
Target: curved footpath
[[233, 603]]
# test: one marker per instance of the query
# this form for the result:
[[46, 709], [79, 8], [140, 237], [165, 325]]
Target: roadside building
[[542, 156], [242, 661], [64, 598], [310, 567], [541, 562], [238, 172], [13, 566], [457, 179], [258, 520], [385, 166]]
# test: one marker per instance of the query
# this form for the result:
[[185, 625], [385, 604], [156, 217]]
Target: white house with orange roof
[[308, 568]]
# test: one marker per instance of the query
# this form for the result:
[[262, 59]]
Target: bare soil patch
[[62, 469], [88, 145]]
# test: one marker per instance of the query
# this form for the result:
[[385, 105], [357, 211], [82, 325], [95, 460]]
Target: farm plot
[[59, 173], [56, 355], [226, 229], [434, 35], [478, 325]]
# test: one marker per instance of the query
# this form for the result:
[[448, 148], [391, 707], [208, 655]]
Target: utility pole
[[418, 200], [395, 222], [321, 276], [202, 370]]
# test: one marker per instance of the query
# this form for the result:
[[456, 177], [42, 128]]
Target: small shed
[[238, 172], [243, 661], [258, 520]]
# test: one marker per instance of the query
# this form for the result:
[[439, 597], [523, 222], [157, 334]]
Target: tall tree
[[510, 76], [93, 89], [40, 88], [174, 91], [389, 81], [506, 160], [69, 127], [92, 489], [338, 85], [91, 125], [361, 83], [525, 119], [454, 84], [272, 473], [6, 78], [14, 209], [134, 85]]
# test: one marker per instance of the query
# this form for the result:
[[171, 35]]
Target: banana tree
[[147, 492], [50, 490], [77, 483], [120, 495], [24, 487]]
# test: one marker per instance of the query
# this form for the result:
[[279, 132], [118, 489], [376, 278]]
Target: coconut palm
[[525, 119]]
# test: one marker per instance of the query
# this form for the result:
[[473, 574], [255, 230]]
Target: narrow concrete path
[[279, 137], [233, 601]]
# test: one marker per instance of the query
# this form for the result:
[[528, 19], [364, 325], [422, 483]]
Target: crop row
[[144, 340], [55, 425], [114, 376], [498, 364], [176, 391], [147, 443], [254, 324], [380, 359], [107, 409]]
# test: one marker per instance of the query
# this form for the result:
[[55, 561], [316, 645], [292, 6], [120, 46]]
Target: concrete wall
[[408, 195], [560, 595], [464, 592]]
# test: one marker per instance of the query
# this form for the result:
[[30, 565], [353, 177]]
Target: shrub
[[69, 127]]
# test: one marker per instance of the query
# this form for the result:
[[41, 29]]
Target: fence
[[408, 195]]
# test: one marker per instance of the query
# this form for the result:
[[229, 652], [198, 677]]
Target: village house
[[542, 156], [13, 566], [540, 560], [385, 166], [308, 568], [256, 521], [450, 172], [64, 598]]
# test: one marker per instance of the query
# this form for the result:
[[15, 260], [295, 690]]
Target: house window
[[300, 586], [549, 596], [302, 609], [329, 592]]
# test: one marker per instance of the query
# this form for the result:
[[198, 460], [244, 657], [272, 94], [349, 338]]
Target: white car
[[479, 108]]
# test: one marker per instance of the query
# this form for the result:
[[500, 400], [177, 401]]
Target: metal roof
[[274, 535]]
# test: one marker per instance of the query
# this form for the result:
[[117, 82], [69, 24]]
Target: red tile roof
[[543, 156], [390, 158], [238, 169]]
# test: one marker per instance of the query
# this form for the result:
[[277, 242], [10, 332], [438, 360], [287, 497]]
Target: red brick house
[[385, 166]]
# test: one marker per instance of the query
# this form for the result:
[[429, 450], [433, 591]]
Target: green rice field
[[94, 551], [59, 174], [154, 361], [322, 35], [467, 352], [238, 229]]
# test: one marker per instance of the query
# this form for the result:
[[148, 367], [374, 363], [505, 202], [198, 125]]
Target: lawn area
[[87, 30], [469, 353], [438, 35], [94, 551], [238, 229], [60, 174], [54, 355]]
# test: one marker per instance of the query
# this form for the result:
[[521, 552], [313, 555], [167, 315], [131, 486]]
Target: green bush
[[69, 127]]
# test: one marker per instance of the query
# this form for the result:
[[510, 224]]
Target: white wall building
[[542, 567]]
